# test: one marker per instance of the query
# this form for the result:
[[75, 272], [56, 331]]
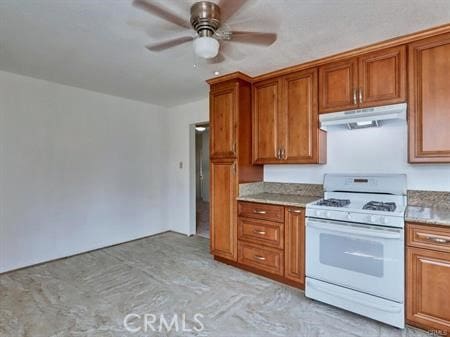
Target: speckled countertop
[[428, 215], [279, 199]]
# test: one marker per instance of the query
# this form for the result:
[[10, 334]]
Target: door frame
[[192, 177]]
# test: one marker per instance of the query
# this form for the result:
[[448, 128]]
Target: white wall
[[375, 150], [181, 184], [78, 170]]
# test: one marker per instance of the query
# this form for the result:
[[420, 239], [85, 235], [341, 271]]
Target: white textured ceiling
[[99, 44]]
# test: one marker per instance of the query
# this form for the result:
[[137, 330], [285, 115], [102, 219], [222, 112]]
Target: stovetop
[[333, 202], [372, 205], [372, 209]]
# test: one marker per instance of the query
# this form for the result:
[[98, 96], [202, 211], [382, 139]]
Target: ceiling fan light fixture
[[206, 47]]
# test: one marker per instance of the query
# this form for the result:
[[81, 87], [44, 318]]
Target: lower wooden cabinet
[[294, 252], [428, 279], [270, 241], [267, 259], [223, 208]]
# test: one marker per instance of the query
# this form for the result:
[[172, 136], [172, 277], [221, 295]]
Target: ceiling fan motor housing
[[205, 18]]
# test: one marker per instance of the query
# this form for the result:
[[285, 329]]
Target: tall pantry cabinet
[[231, 158]]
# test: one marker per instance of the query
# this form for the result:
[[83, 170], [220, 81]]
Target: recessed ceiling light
[[216, 73]]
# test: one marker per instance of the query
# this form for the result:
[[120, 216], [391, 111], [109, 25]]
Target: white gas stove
[[355, 245]]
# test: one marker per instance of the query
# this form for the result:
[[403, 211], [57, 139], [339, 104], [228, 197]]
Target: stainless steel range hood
[[363, 118]]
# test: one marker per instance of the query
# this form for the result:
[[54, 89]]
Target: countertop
[[424, 215], [280, 199], [428, 215]]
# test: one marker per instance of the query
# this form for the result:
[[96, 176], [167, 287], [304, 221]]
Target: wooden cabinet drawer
[[261, 232], [261, 211], [430, 237], [263, 258]]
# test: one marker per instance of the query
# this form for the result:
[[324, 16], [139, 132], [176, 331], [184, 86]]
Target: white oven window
[[358, 255]]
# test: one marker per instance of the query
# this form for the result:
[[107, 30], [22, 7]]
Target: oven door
[[361, 257]]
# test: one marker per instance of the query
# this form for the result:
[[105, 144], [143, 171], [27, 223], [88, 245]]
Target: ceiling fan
[[207, 19]]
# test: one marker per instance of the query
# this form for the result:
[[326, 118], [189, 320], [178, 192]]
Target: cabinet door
[[428, 289], [266, 110], [294, 243], [382, 77], [223, 209], [223, 110], [429, 100], [299, 121], [337, 86]]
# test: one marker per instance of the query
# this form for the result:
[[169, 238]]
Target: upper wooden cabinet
[[285, 120], [223, 110], [266, 111], [429, 100], [372, 79], [338, 85], [382, 77], [298, 125]]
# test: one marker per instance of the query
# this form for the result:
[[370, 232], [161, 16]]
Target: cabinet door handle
[[360, 95], [283, 153], [259, 257], [437, 240], [259, 212], [279, 154], [259, 232], [234, 147], [297, 211], [355, 101]]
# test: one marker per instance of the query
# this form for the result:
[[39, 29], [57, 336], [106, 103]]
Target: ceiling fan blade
[[229, 7], [230, 52], [169, 43], [265, 39], [218, 59], [161, 12]]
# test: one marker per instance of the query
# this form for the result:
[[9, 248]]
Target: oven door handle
[[349, 229]]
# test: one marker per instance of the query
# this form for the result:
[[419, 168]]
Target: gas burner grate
[[380, 206], [334, 202]]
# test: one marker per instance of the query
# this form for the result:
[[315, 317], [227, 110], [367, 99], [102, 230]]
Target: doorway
[[202, 179]]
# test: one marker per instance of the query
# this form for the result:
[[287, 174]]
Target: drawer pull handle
[[259, 212], [297, 211], [437, 240], [259, 257], [259, 232]]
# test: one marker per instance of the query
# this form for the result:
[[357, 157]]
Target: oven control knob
[[374, 219], [349, 216], [384, 220]]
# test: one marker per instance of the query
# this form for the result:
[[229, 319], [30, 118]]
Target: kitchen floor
[[90, 294]]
